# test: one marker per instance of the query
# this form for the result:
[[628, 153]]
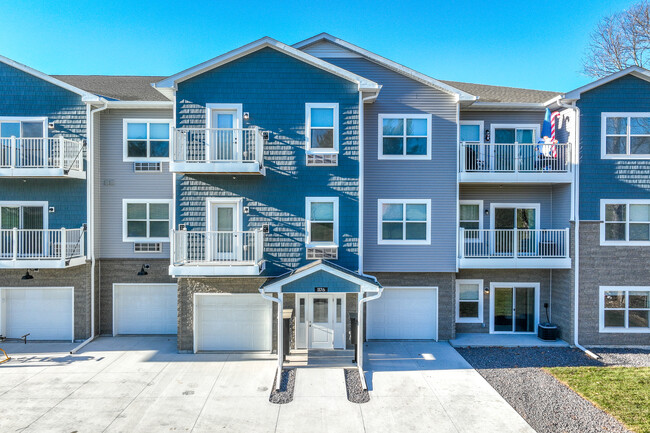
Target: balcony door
[[514, 308], [507, 217], [224, 235], [30, 220], [31, 150], [504, 156], [224, 141]]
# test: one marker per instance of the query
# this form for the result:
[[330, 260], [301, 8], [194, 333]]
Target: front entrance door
[[320, 322], [223, 239], [224, 143], [514, 308]]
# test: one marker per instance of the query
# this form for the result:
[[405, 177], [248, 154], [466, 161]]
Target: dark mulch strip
[[356, 393], [287, 383], [545, 403]]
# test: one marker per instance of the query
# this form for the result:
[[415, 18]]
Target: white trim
[[381, 241], [633, 70], [401, 69], [478, 319], [172, 81], [628, 135], [535, 126], [404, 116], [125, 201], [153, 105], [238, 202], [125, 150], [364, 285], [536, 206], [627, 203], [478, 203], [44, 204], [601, 310], [308, 203], [536, 286], [336, 122]]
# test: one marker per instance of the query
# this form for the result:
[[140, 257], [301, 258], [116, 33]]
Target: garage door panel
[[145, 309], [233, 322], [44, 313], [403, 314]]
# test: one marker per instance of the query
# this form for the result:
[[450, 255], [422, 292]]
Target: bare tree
[[619, 41]]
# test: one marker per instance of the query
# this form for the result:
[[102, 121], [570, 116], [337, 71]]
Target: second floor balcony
[[41, 157], [514, 248], [44, 248], [217, 253], [515, 162], [217, 150]]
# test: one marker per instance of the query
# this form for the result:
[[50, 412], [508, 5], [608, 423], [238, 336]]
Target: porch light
[[27, 276], [486, 290], [142, 271], [487, 211], [246, 115]]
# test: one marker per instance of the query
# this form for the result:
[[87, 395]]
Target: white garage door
[[44, 313], [144, 309], [403, 314], [233, 322]]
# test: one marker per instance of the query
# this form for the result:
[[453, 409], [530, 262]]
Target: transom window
[[321, 128], [469, 301], [146, 220], [322, 221], [625, 222], [625, 135], [404, 136], [146, 140], [404, 221], [625, 309]]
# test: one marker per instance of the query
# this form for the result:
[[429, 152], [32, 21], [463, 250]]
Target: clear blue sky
[[516, 43]]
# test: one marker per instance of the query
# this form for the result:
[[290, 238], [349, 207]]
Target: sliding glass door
[[31, 236], [514, 308], [522, 217]]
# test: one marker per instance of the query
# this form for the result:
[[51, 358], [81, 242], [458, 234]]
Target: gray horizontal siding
[[433, 179], [117, 181], [561, 206]]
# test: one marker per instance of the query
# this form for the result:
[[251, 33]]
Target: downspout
[[576, 218], [90, 128], [278, 300], [362, 301]]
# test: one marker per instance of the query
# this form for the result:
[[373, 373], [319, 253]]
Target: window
[[469, 301], [625, 222], [146, 140], [322, 128], [624, 309], [470, 131], [625, 135], [404, 136], [471, 138], [146, 220], [28, 127], [470, 218], [404, 222], [322, 215]]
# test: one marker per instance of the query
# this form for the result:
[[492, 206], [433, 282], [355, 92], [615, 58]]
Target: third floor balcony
[[41, 157]]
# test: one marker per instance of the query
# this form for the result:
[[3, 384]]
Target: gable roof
[[117, 87], [85, 96], [501, 94], [394, 66], [170, 82], [636, 71]]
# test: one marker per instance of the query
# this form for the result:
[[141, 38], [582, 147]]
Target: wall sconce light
[[487, 212], [27, 276], [246, 115], [486, 290], [487, 135], [143, 271]]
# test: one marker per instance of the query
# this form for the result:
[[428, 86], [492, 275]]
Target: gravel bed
[[284, 395], [624, 357], [545, 403], [356, 393]]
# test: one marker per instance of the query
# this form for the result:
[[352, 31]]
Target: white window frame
[[308, 203], [603, 136], [125, 155], [479, 203], [44, 204], [336, 121], [627, 203], [22, 119], [125, 237], [404, 116], [478, 319], [381, 241], [601, 309]]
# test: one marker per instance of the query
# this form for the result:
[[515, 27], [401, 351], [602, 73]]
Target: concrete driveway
[[140, 384]]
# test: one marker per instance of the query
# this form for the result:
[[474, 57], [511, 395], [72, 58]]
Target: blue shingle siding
[[610, 178], [333, 283], [24, 95], [274, 88]]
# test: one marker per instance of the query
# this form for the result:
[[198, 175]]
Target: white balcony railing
[[514, 158], [210, 249], [514, 243], [41, 246], [217, 150], [41, 153]]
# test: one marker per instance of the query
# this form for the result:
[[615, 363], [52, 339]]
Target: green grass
[[623, 392]]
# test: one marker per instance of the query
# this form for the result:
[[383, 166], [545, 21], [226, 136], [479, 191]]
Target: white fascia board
[[86, 96], [171, 82], [401, 69], [363, 285], [496, 106], [140, 104], [637, 71]]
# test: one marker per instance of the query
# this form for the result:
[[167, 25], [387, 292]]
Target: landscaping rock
[[356, 393], [287, 383]]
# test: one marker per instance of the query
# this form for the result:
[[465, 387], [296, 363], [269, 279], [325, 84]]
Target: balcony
[[514, 249], [218, 151], [549, 163], [41, 157], [197, 253], [33, 249]]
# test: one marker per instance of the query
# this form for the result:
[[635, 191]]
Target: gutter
[[360, 321], [90, 116], [278, 300]]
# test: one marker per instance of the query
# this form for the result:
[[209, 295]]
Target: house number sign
[[320, 289]]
